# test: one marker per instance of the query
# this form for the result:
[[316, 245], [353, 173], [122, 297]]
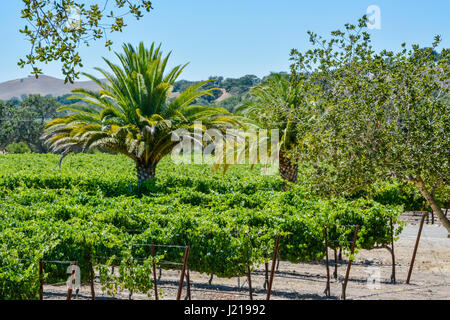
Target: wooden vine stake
[[272, 271], [327, 289], [92, 274], [266, 273], [188, 285], [347, 274], [392, 252], [155, 285], [335, 273], [415, 247], [41, 280], [183, 271], [249, 275]]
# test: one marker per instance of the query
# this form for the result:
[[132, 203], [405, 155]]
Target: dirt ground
[[370, 276]]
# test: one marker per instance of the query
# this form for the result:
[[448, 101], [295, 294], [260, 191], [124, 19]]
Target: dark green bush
[[18, 147]]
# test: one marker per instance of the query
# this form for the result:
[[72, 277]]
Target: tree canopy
[[57, 28], [24, 121], [133, 114], [381, 115]]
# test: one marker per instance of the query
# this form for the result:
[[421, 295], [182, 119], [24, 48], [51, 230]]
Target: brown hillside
[[44, 85]]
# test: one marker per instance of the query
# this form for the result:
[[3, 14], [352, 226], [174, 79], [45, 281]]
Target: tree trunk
[[432, 202], [288, 168], [145, 172]]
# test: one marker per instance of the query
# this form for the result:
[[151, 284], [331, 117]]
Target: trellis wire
[[49, 261]]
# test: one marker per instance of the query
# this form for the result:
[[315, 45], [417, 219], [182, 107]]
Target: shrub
[[18, 147]]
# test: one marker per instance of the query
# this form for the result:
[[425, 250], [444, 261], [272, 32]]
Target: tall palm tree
[[133, 114], [274, 104]]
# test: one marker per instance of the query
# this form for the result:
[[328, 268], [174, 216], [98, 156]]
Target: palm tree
[[274, 104], [133, 113]]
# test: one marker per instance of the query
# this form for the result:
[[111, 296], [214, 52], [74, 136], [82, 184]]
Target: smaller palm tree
[[133, 113], [274, 104]]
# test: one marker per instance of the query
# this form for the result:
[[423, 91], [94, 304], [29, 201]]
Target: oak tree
[[381, 114]]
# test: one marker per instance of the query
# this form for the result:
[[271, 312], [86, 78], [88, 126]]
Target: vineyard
[[90, 211]]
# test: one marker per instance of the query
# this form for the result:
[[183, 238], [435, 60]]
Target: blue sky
[[237, 37]]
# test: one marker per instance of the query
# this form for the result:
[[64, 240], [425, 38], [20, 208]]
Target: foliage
[[67, 99], [232, 102], [18, 280], [18, 147], [56, 29], [273, 105], [381, 115], [133, 275], [279, 102], [24, 121], [237, 88], [133, 114], [240, 85], [230, 221], [43, 107]]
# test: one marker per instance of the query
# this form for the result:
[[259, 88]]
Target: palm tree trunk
[[288, 168], [145, 172]]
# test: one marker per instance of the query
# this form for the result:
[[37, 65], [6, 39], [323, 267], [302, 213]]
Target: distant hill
[[232, 89], [44, 85], [225, 95]]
